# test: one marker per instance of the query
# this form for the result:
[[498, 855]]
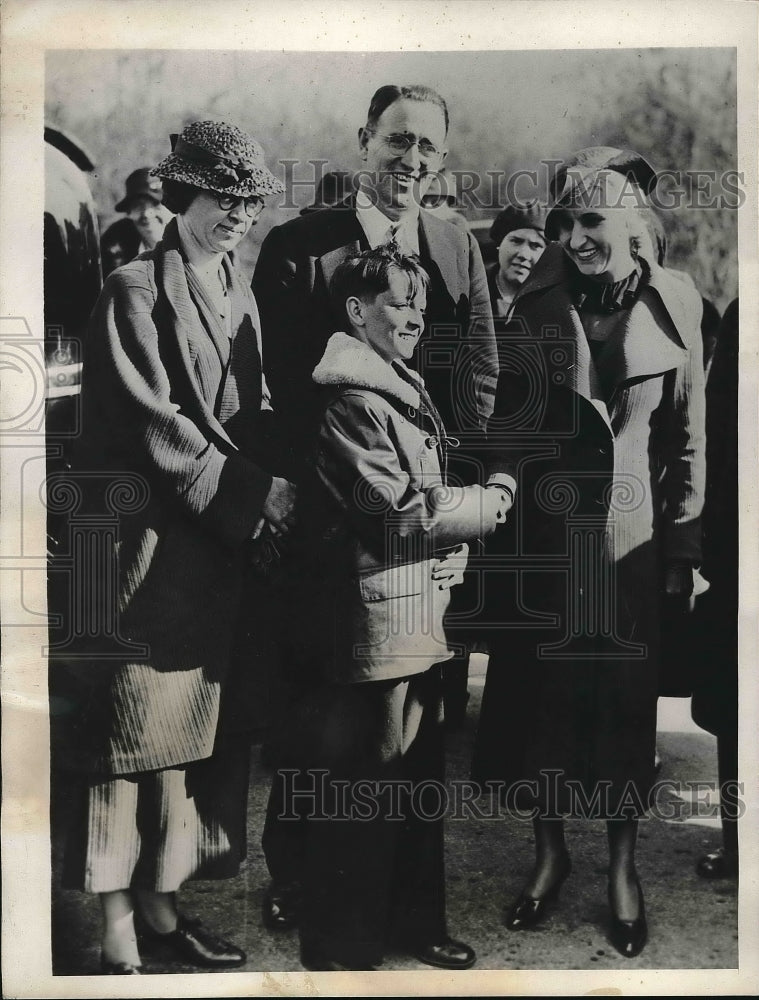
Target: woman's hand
[[448, 570], [279, 507]]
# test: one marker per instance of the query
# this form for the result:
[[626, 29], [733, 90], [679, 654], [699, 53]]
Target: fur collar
[[349, 363]]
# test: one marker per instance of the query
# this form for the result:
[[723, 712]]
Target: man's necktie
[[398, 234]]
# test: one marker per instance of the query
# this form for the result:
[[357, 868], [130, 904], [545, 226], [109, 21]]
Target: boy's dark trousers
[[371, 855]]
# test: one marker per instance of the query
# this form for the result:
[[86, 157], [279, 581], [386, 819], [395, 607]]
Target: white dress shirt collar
[[377, 225]]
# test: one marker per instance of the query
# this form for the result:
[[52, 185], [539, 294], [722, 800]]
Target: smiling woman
[[174, 396], [215, 224], [617, 340], [601, 243]]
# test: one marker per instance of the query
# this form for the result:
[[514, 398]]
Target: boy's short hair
[[367, 275]]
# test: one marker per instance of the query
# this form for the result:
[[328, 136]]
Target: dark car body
[[72, 276], [72, 282], [480, 229]]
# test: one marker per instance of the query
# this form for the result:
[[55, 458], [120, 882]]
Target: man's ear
[[363, 139], [354, 307]]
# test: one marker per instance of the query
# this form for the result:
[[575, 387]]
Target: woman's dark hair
[[391, 93], [178, 196], [367, 275]]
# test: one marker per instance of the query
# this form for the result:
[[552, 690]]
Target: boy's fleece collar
[[349, 362]]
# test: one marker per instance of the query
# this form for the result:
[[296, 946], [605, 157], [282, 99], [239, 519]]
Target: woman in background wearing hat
[[145, 221], [599, 417], [519, 234], [173, 395]]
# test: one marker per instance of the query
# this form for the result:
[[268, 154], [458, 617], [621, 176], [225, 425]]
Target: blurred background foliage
[[509, 111]]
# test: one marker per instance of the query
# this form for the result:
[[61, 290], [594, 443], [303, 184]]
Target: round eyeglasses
[[400, 143], [253, 205]]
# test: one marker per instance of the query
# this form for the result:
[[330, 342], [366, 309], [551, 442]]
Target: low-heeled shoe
[[108, 968], [192, 942], [629, 936], [528, 911], [717, 865], [447, 954], [279, 910]]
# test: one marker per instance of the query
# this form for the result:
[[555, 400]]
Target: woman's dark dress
[[602, 437]]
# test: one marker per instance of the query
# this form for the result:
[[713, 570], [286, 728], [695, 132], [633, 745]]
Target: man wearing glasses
[[401, 145]]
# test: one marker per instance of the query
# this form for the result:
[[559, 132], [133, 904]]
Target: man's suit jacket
[[457, 355]]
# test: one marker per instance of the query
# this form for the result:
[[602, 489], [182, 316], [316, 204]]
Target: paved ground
[[692, 922]]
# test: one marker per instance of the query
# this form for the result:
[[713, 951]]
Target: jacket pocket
[[404, 580]]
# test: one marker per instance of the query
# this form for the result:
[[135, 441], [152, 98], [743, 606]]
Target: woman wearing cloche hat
[[599, 415], [143, 225], [173, 403], [518, 232]]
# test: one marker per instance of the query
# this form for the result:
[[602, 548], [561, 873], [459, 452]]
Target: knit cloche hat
[[218, 157], [529, 215]]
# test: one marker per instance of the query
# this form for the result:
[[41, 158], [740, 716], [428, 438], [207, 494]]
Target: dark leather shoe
[[528, 911], [194, 944], [119, 968], [629, 936], [447, 954], [279, 909], [315, 961], [717, 865]]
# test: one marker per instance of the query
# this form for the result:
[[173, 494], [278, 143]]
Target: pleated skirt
[[157, 829]]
